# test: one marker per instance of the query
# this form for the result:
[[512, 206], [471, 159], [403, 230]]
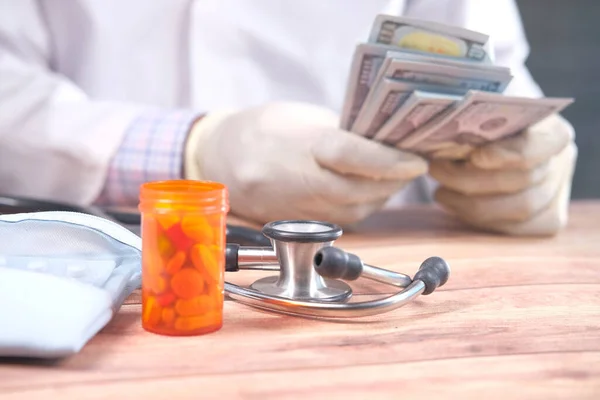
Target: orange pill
[[165, 247], [152, 311], [167, 220], [196, 227], [158, 284], [194, 306], [187, 283], [213, 318], [152, 261], [168, 316], [152, 269], [207, 259], [206, 323], [175, 263], [166, 299], [189, 323]]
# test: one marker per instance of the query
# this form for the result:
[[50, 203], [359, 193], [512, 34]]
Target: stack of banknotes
[[433, 89]]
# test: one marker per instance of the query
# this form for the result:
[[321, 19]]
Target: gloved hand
[[290, 160], [517, 186]]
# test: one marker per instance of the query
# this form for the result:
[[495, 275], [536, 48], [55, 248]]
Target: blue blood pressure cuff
[[63, 275]]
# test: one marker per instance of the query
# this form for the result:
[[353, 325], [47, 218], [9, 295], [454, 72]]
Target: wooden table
[[519, 318]]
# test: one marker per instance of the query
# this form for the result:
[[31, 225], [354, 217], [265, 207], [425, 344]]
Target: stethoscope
[[312, 273]]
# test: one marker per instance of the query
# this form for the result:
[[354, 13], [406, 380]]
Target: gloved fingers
[[349, 154], [465, 178], [549, 221], [529, 148], [348, 190], [496, 210]]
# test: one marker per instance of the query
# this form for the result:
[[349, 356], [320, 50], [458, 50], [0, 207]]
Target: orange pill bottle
[[183, 256]]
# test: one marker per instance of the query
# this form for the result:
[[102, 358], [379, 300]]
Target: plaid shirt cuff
[[152, 150]]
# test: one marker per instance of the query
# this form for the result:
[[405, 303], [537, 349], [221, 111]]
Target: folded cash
[[420, 73], [448, 44], [436, 71], [416, 111], [429, 37], [480, 118], [386, 98], [432, 89]]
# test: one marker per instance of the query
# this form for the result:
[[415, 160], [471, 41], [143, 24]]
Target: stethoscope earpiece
[[433, 272], [332, 262]]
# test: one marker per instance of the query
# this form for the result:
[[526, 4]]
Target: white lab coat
[[75, 73]]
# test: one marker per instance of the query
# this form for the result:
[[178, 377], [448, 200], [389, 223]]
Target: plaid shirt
[[152, 150]]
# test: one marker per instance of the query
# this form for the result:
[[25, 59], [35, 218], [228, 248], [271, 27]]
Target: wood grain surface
[[518, 319]]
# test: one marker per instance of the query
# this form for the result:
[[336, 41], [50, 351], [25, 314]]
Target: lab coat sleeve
[[55, 141], [500, 19]]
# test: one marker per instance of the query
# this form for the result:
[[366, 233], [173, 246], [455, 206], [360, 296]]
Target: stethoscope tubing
[[321, 309]]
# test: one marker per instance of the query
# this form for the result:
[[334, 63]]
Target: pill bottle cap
[[204, 196]]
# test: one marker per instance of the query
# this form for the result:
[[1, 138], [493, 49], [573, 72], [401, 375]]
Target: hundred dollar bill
[[433, 70], [481, 117], [387, 97], [431, 37], [452, 78], [365, 65], [417, 110]]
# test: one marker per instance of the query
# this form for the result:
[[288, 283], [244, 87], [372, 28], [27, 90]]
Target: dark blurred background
[[564, 36]]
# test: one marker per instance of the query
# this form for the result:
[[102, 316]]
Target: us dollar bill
[[430, 37], [435, 71], [422, 74], [480, 118], [388, 96], [368, 57], [366, 63], [416, 111]]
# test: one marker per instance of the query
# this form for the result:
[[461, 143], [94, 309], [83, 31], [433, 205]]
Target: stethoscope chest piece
[[295, 244]]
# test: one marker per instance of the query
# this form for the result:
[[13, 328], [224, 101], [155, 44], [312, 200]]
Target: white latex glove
[[291, 161], [517, 186]]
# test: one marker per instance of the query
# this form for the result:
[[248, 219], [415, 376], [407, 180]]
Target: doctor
[[97, 97]]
